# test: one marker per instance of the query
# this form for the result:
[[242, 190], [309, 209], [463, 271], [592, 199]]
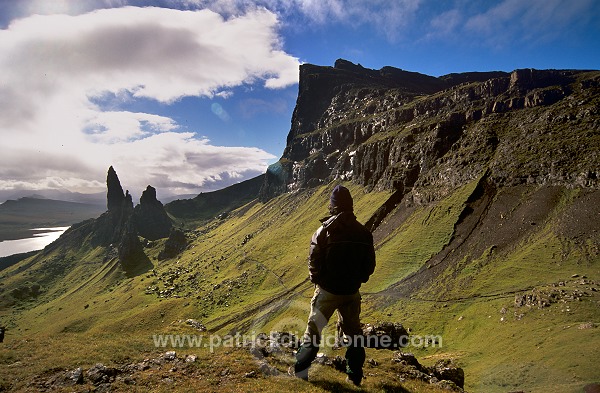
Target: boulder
[[445, 370], [175, 244], [385, 335], [76, 376]]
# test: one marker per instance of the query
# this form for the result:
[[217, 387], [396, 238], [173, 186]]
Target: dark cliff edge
[[423, 136]]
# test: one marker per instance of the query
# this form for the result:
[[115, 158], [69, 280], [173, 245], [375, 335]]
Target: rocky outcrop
[[120, 227], [443, 373], [151, 219], [175, 244], [119, 223], [130, 249], [408, 132]]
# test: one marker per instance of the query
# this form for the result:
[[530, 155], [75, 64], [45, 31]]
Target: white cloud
[[55, 67], [181, 161], [120, 126]]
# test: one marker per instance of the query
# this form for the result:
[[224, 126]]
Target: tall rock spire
[[114, 195]]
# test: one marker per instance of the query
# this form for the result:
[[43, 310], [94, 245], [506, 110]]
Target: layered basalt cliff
[[400, 130]]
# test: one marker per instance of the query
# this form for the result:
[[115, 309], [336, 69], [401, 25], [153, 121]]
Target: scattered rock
[[195, 324], [170, 356], [445, 370], [321, 358], [277, 342], [267, 369], [100, 374], [385, 335], [372, 362], [191, 358], [408, 359], [448, 385], [586, 325], [76, 376], [545, 297], [444, 373], [247, 238]]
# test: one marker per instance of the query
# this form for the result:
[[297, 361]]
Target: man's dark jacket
[[342, 256]]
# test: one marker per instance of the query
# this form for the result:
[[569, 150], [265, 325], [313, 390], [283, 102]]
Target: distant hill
[[18, 217], [208, 205], [98, 198]]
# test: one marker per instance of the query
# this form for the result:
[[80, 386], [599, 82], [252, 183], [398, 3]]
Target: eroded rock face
[[393, 129], [120, 227], [114, 195], [151, 219]]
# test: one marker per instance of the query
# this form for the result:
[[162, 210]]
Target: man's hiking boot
[[354, 381], [301, 374]]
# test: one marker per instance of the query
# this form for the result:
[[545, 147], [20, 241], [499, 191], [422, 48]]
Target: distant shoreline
[[36, 239], [30, 233]]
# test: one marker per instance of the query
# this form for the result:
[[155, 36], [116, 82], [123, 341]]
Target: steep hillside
[[208, 205], [482, 194]]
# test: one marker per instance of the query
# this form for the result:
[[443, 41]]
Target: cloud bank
[[57, 68]]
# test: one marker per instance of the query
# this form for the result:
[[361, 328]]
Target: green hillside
[[247, 274], [208, 205], [482, 194]]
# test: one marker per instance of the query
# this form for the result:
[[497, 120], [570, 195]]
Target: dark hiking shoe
[[353, 380], [301, 374]]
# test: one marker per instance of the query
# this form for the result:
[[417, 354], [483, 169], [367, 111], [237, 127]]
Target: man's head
[[340, 200]]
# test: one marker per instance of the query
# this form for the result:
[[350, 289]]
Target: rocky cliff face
[[150, 218], [413, 133]]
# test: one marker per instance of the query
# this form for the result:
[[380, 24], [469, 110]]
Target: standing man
[[341, 258]]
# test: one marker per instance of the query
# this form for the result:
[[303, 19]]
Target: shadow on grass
[[137, 264], [342, 387]]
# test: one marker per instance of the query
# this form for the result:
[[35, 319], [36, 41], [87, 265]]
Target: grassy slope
[[501, 346], [248, 273], [206, 206]]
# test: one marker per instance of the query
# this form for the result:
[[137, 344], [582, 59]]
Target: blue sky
[[194, 95]]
